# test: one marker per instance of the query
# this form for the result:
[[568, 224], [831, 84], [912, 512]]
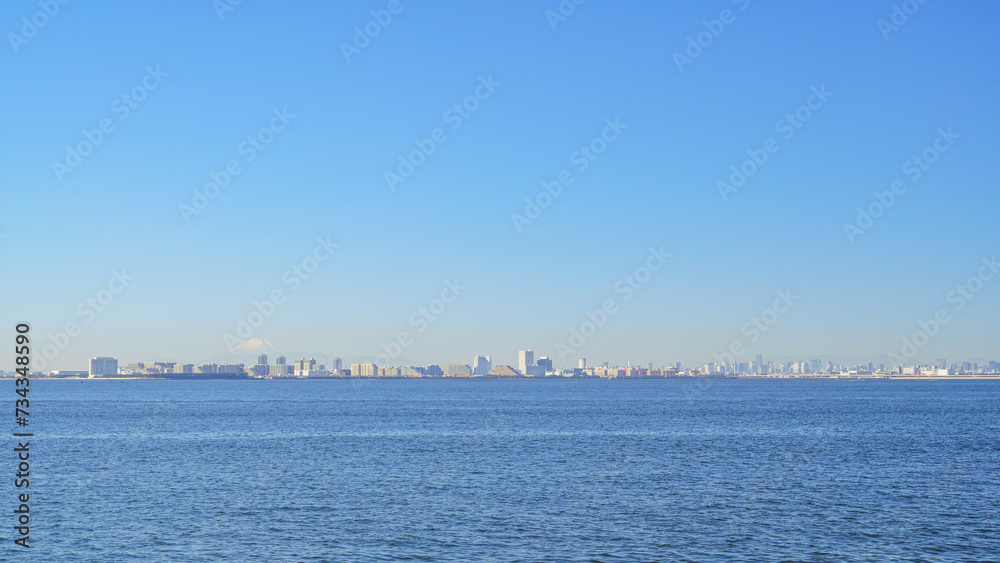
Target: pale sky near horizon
[[111, 225]]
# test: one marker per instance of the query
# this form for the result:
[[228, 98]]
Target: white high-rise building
[[364, 370], [303, 366], [525, 360], [103, 366], [582, 364], [481, 365]]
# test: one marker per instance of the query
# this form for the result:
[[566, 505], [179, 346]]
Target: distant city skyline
[[526, 366]]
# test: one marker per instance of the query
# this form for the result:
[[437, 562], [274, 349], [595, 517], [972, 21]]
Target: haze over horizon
[[627, 135]]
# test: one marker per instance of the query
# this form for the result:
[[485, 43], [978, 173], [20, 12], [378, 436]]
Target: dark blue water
[[511, 471]]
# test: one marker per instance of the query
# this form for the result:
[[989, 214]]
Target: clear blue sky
[[656, 184]]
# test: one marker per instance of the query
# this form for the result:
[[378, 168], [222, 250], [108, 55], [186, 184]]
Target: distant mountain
[[247, 352], [255, 346]]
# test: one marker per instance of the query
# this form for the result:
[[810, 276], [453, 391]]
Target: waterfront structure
[[481, 365], [456, 370], [303, 366], [260, 369], [103, 366], [503, 371], [544, 365], [525, 359], [68, 373], [364, 370], [279, 370]]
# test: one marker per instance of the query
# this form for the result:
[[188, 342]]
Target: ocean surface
[[577, 470]]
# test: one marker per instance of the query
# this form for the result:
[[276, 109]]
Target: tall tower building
[[280, 360], [481, 365], [582, 363], [304, 366], [262, 360], [545, 365], [525, 359]]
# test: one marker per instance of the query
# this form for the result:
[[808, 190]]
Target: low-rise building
[[457, 370], [503, 371]]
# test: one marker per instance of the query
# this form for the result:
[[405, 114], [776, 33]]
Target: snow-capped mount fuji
[[247, 351], [255, 346]]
